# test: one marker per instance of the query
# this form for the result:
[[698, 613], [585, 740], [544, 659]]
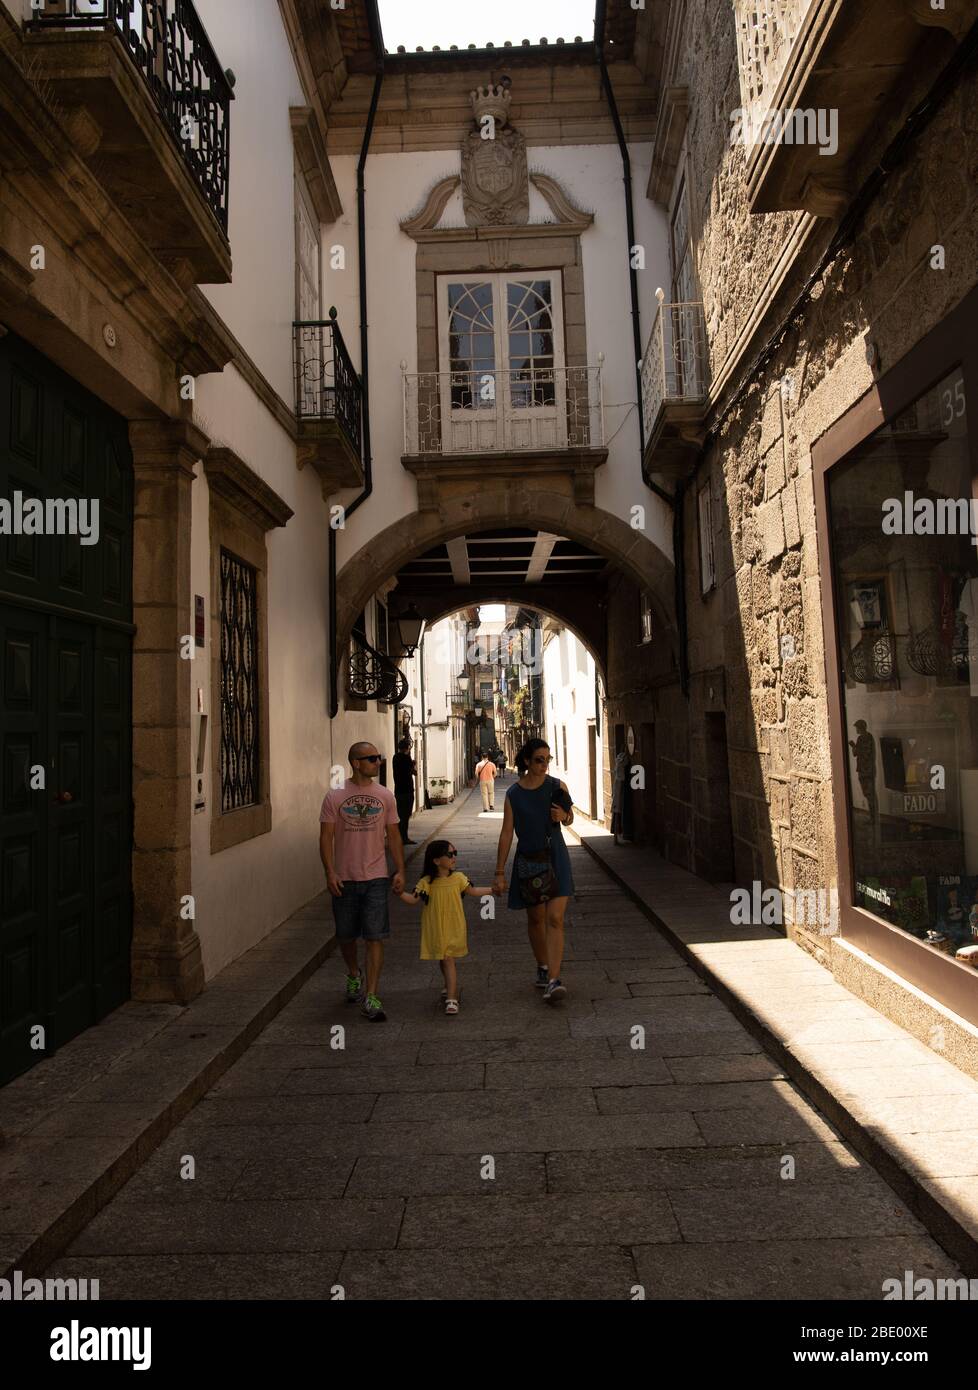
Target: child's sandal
[[451, 1006]]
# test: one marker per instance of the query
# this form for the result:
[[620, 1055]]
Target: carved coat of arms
[[495, 188]]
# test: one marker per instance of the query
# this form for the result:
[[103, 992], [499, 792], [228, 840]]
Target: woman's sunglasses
[[449, 854]]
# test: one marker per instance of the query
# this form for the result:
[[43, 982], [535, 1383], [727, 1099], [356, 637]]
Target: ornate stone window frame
[[243, 509], [468, 250]]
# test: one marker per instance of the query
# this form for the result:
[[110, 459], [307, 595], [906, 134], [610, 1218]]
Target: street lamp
[[463, 684], [409, 625]]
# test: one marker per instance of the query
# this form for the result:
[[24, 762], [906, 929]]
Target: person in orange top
[[486, 773]]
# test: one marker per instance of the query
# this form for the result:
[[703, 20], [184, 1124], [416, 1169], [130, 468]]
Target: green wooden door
[[65, 713]]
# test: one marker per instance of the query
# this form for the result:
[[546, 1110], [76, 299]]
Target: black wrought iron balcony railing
[[327, 385], [170, 48], [373, 676]]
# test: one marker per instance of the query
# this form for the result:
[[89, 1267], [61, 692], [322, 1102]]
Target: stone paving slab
[[603, 1218], [504, 1272], [129, 1228], [840, 1268], [208, 1277], [620, 1170], [436, 1175]]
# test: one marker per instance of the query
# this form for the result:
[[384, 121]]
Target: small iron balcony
[[328, 404], [674, 392], [73, 47]]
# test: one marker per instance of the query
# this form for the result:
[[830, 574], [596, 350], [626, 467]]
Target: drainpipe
[[368, 485]]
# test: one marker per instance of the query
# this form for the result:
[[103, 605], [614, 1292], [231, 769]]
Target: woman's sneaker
[[543, 975], [373, 1009], [354, 989], [554, 992]]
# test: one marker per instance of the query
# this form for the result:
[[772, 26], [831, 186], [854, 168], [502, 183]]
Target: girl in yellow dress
[[441, 889]]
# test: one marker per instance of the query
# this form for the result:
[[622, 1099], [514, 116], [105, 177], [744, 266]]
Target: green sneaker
[[373, 1009], [354, 989]]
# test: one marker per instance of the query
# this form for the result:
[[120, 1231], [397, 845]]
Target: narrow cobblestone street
[[614, 1166]]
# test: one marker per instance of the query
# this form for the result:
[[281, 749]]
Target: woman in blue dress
[[530, 812]]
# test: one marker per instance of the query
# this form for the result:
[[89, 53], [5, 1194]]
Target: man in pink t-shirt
[[358, 824]]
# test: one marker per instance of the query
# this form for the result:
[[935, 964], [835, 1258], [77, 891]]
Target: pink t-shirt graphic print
[[361, 816]]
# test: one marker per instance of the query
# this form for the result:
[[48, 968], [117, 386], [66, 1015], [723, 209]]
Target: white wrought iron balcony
[[492, 411], [674, 364], [818, 78], [766, 30]]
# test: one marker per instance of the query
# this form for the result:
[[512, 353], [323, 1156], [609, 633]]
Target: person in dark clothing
[[404, 775]]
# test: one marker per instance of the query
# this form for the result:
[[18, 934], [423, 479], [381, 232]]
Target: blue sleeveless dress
[[531, 819]]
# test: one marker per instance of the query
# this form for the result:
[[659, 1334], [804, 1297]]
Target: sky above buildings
[[424, 23]]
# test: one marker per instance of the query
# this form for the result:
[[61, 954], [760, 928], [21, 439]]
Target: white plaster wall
[[445, 746], [259, 305], [244, 892], [396, 187], [568, 686]]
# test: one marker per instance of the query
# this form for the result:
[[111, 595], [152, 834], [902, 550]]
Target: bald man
[[358, 823]]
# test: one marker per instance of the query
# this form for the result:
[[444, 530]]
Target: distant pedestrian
[[536, 806], [405, 773], [501, 762], [441, 889], [354, 821], [486, 774]]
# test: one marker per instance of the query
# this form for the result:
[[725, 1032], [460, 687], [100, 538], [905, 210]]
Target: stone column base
[[170, 973]]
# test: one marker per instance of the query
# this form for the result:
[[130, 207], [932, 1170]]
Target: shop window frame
[[952, 344]]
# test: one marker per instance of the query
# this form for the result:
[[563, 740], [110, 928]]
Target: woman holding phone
[[536, 807]]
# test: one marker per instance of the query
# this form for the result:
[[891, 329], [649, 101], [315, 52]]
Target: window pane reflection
[[906, 583]]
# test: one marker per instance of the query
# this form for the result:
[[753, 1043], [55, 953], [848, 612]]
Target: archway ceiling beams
[[530, 557], [459, 558], [542, 551]]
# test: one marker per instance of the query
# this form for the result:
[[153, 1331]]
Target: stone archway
[[494, 504]]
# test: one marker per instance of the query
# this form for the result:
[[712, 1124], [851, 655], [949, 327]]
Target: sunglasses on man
[[370, 758]]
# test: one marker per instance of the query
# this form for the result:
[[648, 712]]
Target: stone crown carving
[[491, 100]]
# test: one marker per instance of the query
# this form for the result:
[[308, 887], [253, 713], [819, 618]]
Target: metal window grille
[[240, 764]]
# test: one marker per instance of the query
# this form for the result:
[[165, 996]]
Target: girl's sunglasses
[[449, 854]]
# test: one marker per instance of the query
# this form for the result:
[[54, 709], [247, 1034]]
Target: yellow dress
[[443, 916]]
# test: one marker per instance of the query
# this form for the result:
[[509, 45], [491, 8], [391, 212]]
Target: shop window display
[[901, 520]]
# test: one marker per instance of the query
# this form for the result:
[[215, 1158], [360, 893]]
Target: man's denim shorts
[[362, 911]]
